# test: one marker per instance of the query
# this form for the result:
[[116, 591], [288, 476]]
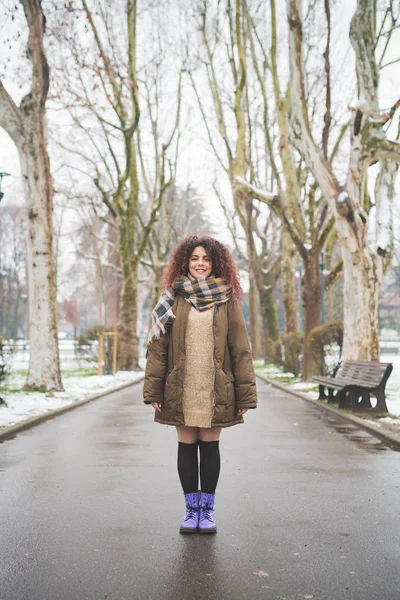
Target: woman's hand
[[242, 411], [156, 405]]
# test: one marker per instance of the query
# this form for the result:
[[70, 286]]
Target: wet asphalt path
[[90, 505]]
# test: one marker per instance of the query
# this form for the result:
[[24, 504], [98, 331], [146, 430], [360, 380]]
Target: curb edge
[[391, 440]]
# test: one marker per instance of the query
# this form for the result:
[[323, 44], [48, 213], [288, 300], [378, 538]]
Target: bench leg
[[364, 404], [331, 396], [344, 400], [322, 394], [356, 405], [381, 406]]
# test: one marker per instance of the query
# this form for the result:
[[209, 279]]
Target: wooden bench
[[355, 382]]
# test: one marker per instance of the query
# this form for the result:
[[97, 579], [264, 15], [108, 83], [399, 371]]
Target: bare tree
[[298, 202], [101, 90], [27, 127], [364, 262], [224, 39], [181, 215]]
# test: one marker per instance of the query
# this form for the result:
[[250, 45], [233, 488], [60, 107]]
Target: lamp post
[[322, 281], [1, 181]]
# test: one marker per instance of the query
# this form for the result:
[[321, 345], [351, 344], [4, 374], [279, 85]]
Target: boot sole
[[188, 530], [208, 531]]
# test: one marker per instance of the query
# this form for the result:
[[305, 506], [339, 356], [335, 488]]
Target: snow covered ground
[[79, 379], [23, 405]]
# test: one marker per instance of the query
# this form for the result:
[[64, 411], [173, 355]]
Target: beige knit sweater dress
[[199, 369]]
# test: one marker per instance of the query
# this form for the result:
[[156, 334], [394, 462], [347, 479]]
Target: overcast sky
[[198, 164]]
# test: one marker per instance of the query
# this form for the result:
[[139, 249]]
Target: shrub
[[7, 351], [86, 345], [293, 349], [321, 348]]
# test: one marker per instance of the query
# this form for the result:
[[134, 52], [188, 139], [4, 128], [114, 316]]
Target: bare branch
[[210, 139], [10, 116], [334, 275]]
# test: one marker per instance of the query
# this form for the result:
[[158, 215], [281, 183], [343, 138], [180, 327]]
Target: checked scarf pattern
[[202, 293]]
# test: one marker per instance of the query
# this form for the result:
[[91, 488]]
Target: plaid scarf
[[203, 293]]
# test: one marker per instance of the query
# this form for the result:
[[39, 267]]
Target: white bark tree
[[364, 262], [26, 125]]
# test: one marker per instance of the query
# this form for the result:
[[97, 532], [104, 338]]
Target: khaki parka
[[234, 378]]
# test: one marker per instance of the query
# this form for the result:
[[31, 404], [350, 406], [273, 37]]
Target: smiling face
[[200, 264]]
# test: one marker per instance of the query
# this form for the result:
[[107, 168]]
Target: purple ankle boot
[[190, 523], [207, 522]]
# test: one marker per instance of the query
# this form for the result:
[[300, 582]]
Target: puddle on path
[[363, 439]]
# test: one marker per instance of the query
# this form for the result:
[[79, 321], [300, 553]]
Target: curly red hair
[[223, 264]]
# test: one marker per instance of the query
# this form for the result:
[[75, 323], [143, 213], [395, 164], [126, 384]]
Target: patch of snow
[[285, 375], [393, 384], [24, 405], [392, 420], [303, 385]]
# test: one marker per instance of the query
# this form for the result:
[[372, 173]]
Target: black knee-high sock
[[210, 465], [188, 467]]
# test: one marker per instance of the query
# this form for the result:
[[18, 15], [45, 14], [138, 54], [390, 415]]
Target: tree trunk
[[270, 325], [362, 280], [44, 363], [312, 313], [311, 293], [128, 345], [364, 263], [26, 126], [254, 319], [288, 283]]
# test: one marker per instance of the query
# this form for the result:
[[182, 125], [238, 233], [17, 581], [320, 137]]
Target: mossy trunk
[[288, 284], [272, 350], [128, 346], [312, 313], [313, 358], [254, 311]]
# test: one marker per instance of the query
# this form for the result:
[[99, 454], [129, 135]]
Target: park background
[[271, 126]]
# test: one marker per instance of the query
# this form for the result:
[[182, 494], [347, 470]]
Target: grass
[[277, 373], [81, 372], [29, 391], [15, 376]]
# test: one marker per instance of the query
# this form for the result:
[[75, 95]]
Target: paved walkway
[[90, 505]]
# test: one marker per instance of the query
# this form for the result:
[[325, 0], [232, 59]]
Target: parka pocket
[[225, 388]]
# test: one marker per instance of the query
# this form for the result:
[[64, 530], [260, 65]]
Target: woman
[[199, 373]]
